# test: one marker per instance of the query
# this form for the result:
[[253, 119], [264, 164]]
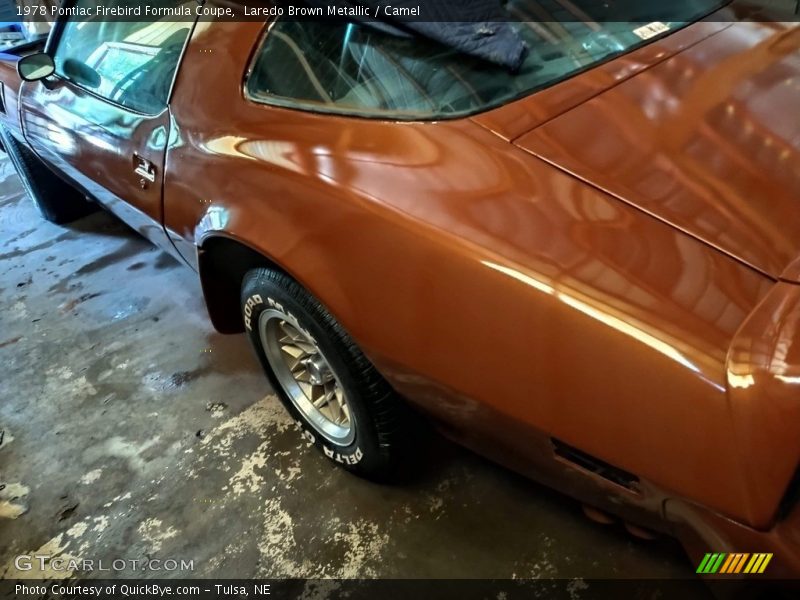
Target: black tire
[[55, 200], [378, 415]]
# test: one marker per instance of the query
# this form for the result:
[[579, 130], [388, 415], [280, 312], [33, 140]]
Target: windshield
[[357, 69]]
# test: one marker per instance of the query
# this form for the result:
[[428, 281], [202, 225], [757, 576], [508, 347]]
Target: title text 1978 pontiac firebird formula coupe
[[586, 267]]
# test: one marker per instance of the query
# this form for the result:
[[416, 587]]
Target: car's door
[[103, 120]]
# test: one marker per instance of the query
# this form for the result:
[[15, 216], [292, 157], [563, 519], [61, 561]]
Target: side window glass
[[130, 63], [353, 68]]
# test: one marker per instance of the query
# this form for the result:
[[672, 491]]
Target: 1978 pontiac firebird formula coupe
[[586, 268]]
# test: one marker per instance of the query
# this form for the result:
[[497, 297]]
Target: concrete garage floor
[[133, 430]]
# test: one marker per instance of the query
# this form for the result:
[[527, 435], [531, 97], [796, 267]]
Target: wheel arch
[[223, 261]]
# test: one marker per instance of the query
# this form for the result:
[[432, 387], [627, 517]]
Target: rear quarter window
[[356, 69]]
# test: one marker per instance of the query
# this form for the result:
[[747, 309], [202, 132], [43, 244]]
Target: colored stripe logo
[[731, 564]]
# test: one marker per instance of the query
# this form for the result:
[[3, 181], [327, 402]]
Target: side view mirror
[[81, 73], [35, 67]]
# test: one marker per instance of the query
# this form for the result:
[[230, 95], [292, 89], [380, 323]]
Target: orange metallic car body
[[611, 264]]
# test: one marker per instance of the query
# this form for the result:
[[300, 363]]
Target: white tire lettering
[[305, 433], [344, 459], [252, 301]]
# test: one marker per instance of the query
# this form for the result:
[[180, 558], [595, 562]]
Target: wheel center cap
[[318, 370]]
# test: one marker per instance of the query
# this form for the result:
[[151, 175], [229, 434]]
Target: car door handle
[[144, 168]]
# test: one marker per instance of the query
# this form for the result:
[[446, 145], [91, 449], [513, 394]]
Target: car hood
[[707, 141]]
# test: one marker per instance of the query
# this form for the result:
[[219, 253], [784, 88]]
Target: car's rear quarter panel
[[502, 296], [764, 378]]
